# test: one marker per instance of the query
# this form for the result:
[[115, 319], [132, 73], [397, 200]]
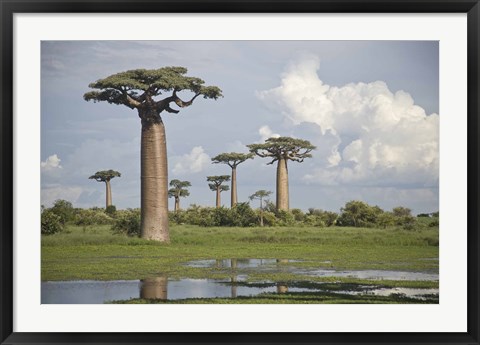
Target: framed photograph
[[269, 172]]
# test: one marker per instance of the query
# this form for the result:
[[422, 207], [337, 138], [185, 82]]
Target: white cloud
[[366, 134], [51, 163], [195, 161], [265, 133]]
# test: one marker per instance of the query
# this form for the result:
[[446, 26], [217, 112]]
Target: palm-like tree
[[260, 194]]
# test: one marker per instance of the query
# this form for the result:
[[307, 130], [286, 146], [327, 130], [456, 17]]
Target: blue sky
[[370, 107]]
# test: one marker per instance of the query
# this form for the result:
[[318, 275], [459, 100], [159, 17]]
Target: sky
[[370, 107]]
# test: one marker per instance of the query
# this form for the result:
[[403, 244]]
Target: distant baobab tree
[[179, 190], [106, 176], [139, 90], [260, 194], [233, 159], [281, 150], [217, 186]]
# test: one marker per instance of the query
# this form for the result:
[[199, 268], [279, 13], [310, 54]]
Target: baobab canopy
[[283, 148], [134, 88], [105, 175]]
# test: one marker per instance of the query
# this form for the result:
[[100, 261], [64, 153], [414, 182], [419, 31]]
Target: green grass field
[[96, 254]]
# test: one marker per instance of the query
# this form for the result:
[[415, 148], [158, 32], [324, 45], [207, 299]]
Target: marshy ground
[[243, 265]]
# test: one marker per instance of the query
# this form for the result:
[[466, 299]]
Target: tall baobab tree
[[281, 150], [106, 176], [233, 159], [260, 194], [145, 91], [217, 186], [177, 191]]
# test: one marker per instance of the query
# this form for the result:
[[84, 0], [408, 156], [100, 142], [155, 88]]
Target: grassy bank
[[94, 253]]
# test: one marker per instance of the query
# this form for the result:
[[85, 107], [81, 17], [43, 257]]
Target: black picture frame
[[9, 7]]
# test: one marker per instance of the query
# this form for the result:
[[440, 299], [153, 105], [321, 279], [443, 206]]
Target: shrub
[[179, 216], [51, 223], [285, 218], [297, 214], [127, 223], [64, 209], [243, 215], [269, 218], [407, 222], [222, 216], [111, 210], [314, 220], [92, 217], [205, 217]]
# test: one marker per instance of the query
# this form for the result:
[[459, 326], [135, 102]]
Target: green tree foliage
[[242, 216], [400, 211], [359, 214], [386, 219], [127, 223], [64, 209], [111, 210], [105, 175], [137, 88], [232, 159], [51, 222], [318, 217], [90, 217], [283, 148]]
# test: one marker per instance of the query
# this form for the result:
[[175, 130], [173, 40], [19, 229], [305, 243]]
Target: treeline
[[353, 214]]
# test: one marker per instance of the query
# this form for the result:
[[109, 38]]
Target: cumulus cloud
[[366, 134], [193, 162], [265, 133], [51, 163]]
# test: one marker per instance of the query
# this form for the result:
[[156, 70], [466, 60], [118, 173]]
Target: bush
[[407, 222], [269, 218], [92, 217], [127, 223], [285, 218], [297, 214], [111, 210], [243, 215], [314, 220], [64, 209], [51, 223]]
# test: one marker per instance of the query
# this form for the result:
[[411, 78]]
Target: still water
[[163, 288]]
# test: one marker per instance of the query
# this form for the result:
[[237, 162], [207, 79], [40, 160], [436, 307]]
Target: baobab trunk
[[234, 187], [154, 180], [108, 200], [218, 198], [177, 204], [282, 185]]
